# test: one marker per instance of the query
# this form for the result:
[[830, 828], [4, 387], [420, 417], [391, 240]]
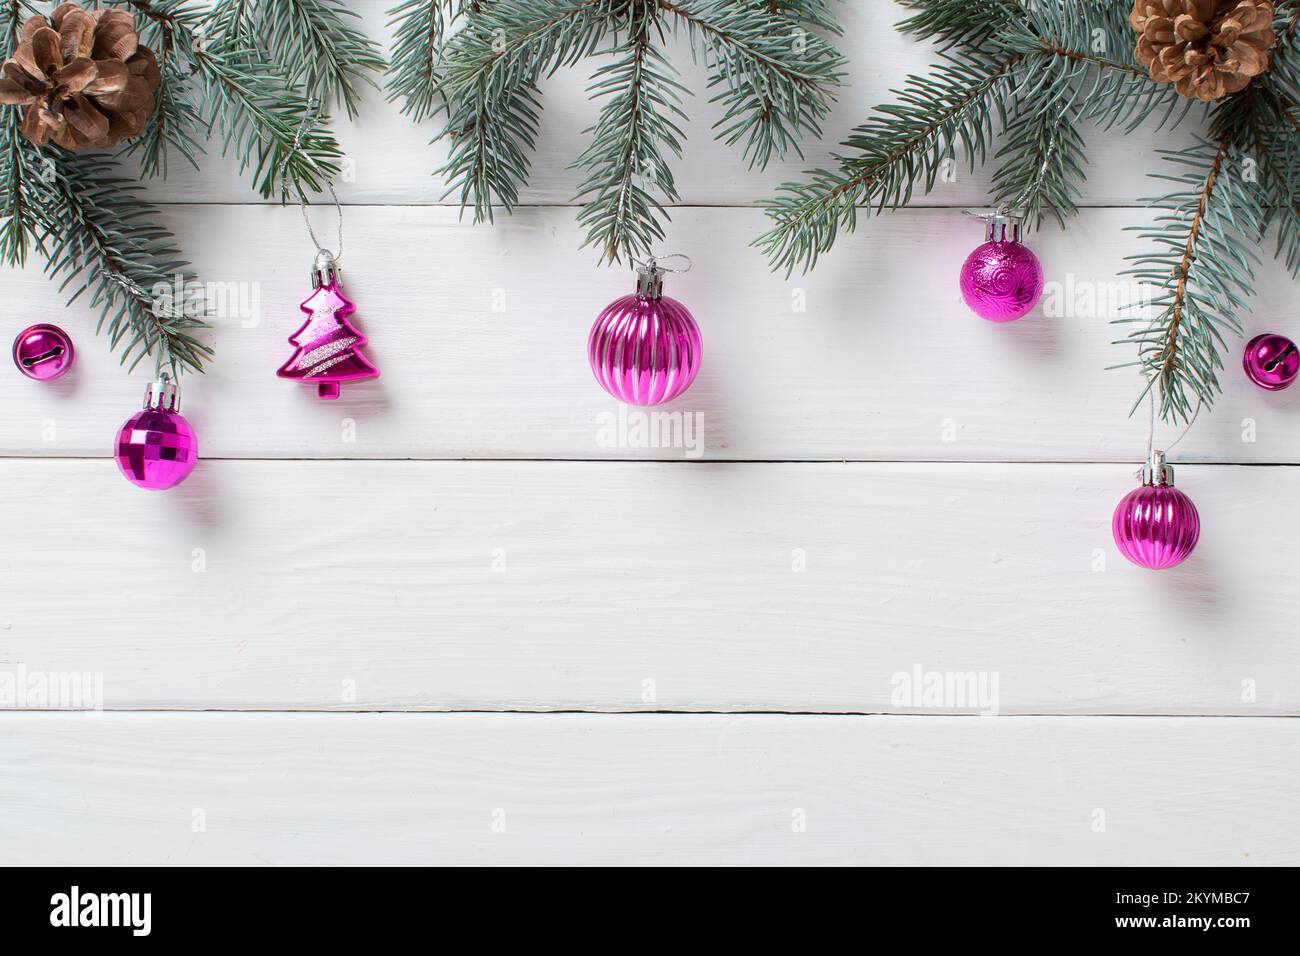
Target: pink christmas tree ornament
[[329, 347]]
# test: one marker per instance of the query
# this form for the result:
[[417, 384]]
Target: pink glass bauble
[[1271, 361], [1156, 526], [1002, 280], [157, 448], [43, 352], [645, 349]]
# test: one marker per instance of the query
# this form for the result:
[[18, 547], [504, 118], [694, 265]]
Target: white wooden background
[[456, 542]]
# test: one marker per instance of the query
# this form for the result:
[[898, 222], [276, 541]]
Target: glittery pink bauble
[[1156, 526], [645, 350], [1001, 280], [157, 449], [1271, 361]]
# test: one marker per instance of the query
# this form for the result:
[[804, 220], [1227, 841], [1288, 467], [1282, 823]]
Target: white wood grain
[[885, 363], [625, 587], [392, 161], [658, 790]]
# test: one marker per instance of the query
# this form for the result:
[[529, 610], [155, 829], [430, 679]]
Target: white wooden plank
[[212, 789], [481, 337], [626, 587], [392, 161]]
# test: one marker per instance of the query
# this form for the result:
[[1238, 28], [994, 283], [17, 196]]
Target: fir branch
[[626, 152], [774, 75], [969, 25], [777, 80], [21, 164], [256, 109], [326, 57], [900, 145], [420, 29], [1032, 64], [1043, 165], [101, 239], [174, 126], [490, 74], [247, 99], [1202, 269]]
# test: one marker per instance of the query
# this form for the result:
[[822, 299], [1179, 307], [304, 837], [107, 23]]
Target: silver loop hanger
[[651, 271], [655, 263], [313, 113]]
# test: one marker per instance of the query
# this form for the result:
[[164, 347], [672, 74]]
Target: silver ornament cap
[[1002, 225], [163, 394], [325, 270], [1157, 473], [650, 280]]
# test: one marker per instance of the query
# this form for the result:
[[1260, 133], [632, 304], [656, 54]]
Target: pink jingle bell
[[43, 352], [1156, 526], [1271, 361]]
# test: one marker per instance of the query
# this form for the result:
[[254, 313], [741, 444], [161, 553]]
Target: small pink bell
[[1271, 361], [43, 352]]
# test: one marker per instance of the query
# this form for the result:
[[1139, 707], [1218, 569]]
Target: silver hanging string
[[313, 113], [653, 263], [1155, 463], [650, 273]]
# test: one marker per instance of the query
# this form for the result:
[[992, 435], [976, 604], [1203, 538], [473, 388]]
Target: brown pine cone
[[1206, 48], [82, 78]]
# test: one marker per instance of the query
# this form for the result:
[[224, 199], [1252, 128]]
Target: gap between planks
[[443, 711], [694, 462]]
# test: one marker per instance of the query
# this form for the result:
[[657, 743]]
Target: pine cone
[[82, 78], [1205, 48]]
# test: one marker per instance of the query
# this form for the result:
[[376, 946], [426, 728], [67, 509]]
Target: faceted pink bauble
[[1271, 361], [1001, 280], [645, 350], [1156, 526], [157, 449]]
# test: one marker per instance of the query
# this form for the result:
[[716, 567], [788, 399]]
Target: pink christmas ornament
[[645, 349], [43, 352], [1271, 361], [1002, 280], [328, 346], [1156, 526], [157, 448]]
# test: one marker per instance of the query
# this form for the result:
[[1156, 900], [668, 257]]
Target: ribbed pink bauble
[[1002, 280], [1156, 526], [645, 349]]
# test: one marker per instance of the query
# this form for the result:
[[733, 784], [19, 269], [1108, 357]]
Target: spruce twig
[[768, 63]]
